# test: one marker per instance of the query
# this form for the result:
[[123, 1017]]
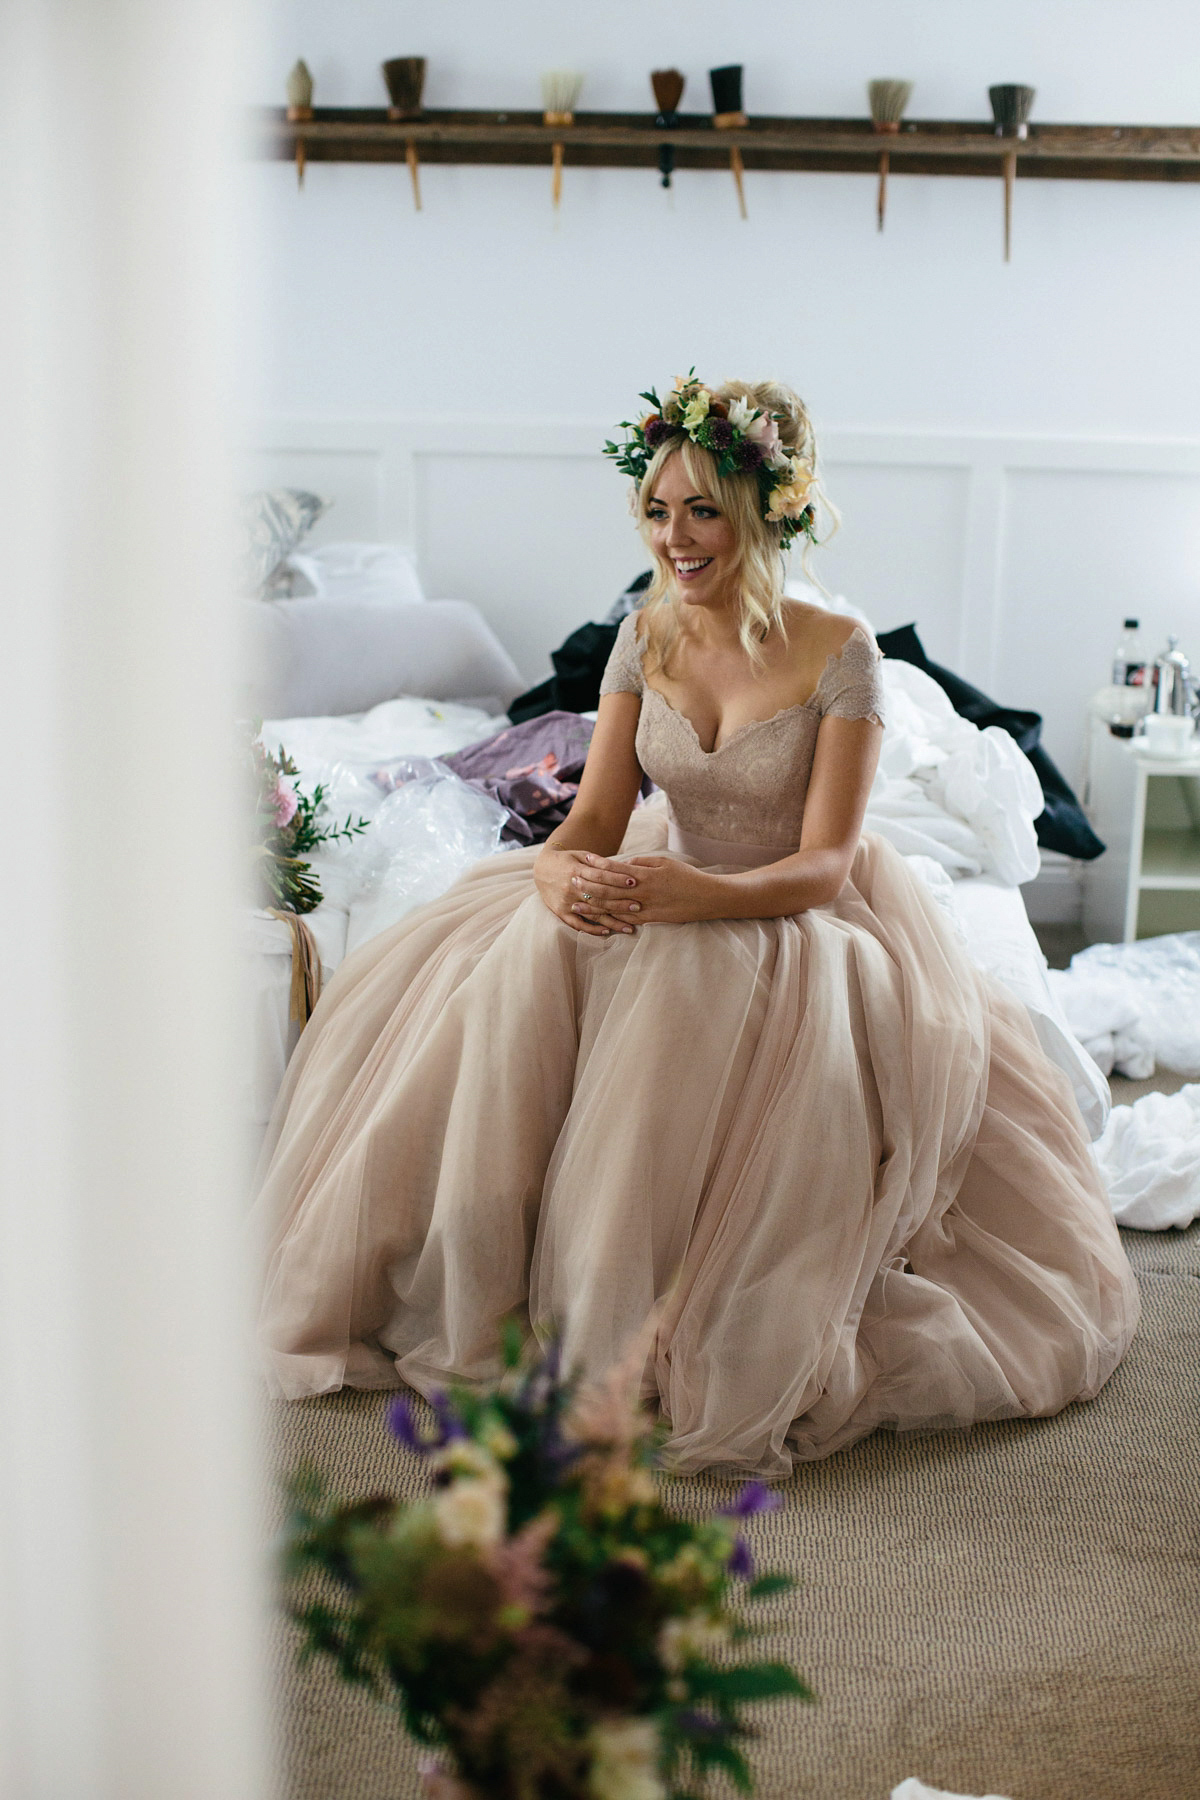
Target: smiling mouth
[[692, 567]]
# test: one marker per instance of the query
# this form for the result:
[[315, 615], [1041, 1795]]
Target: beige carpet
[[1014, 1610]]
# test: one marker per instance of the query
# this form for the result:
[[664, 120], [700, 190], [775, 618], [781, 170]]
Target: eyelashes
[[698, 512]]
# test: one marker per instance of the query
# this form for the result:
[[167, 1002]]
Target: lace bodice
[[751, 789]]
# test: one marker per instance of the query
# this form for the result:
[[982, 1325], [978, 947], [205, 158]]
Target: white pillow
[[318, 657], [372, 573]]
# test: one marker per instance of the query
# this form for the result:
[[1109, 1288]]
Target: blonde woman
[[717, 1060]]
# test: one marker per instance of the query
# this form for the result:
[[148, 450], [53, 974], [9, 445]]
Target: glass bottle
[[1130, 661]]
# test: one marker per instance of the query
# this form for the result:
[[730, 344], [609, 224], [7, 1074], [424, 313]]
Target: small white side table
[[1147, 810]]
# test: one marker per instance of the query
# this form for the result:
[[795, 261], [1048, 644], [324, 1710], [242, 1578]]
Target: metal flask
[[1173, 685]]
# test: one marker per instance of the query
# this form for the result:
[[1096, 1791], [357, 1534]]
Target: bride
[[720, 1055]]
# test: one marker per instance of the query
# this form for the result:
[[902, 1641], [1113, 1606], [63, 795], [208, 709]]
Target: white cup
[[1167, 734]]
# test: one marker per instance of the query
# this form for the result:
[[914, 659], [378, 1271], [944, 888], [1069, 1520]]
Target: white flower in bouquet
[[471, 1512], [463, 1456], [625, 1756], [696, 1636]]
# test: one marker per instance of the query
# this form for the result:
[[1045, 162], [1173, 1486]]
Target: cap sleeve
[[851, 686], [623, 671]]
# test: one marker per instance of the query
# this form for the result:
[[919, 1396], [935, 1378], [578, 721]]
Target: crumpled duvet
[[946, 790]]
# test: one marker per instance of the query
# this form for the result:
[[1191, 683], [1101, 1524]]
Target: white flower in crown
[[696, 410], [788, 499], [742, 414]]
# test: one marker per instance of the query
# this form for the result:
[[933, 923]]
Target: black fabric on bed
[[1062, 826], [580, 663], [575, 683]]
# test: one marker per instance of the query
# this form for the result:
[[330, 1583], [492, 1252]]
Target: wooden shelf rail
[[632, 140]]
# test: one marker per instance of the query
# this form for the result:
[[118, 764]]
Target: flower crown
[[745, 441]]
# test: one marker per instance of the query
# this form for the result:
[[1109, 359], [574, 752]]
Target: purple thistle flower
[[741, 1562], [747, 455], [715, 434], [657, 431], [403, 1426], [755, 1497]]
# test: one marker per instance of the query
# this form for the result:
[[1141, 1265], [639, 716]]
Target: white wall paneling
[[1016, 557]]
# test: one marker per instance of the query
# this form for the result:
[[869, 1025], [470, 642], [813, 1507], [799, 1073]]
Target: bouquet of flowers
[[287, 827], [543, 1620]]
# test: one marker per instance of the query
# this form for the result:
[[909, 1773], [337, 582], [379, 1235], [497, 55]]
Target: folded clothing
[[1062, 825]]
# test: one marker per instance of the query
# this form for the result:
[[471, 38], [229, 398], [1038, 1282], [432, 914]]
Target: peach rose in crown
[[788, 499]]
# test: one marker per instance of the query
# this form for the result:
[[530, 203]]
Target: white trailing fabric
[[1149, 1156], [946, 790]]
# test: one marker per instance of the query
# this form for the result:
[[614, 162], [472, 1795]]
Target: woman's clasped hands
[[599, 895]]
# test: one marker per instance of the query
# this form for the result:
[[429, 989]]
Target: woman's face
[[690, 532]]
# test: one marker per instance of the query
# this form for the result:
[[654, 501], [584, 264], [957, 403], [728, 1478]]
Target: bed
[[957, 802]]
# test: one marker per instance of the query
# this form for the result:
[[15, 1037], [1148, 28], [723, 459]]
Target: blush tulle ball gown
[[825, 1147]]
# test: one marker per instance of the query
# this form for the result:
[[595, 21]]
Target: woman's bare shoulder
[[815, 633]]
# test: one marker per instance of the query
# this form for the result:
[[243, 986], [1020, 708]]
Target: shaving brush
[[887, 100], [299, 108], [726, 84], [560, 91], [668, 85], [1011, 107], [405, 78]]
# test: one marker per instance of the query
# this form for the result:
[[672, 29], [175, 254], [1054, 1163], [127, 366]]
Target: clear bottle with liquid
[[1131, 664]]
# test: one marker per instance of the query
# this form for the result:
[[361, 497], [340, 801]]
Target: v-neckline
[[747, 724]]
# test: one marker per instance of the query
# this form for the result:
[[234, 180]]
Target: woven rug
[[1012, 1610]]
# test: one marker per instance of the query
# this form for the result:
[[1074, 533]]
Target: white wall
[[488, 312]]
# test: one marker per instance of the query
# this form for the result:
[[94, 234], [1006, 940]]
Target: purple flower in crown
[[657, 431], [715, 434], [755, 1497], [748, 455]]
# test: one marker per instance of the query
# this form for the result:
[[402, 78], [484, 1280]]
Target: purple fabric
[[533, 770]]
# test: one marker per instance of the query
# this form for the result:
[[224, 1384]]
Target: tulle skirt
[[825, 1148]]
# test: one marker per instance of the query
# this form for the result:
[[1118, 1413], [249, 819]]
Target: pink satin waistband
[[719, 850]]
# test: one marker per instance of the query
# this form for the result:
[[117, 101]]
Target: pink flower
[[285, 803], [516, 1562], [764, 432]]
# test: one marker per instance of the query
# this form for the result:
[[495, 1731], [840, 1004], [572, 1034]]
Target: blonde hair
[[759, 557]]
